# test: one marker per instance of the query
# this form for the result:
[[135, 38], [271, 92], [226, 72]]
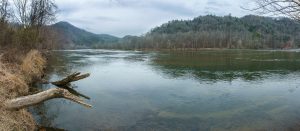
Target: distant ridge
[[71, 36]]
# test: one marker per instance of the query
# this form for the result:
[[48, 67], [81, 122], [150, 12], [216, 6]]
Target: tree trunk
[[64, 90], [26, 101]]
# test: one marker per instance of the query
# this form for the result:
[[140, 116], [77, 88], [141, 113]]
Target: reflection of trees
[[44, 117], [47, 113], [56, 59], [42, 112], [212, 76], [226, 65]]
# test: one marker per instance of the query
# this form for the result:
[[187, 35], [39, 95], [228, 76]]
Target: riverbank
[[15, 79]]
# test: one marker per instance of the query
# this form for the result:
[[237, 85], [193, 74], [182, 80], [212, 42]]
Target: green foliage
[[253, 32]]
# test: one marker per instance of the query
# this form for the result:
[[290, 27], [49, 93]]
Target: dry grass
[[33, 65], [14, 80]]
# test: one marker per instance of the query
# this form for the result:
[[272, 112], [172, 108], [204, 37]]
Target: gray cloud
[[135, 17]]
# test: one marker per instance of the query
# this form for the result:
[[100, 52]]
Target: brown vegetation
[[14, 80], [23, 24], [32, 66]]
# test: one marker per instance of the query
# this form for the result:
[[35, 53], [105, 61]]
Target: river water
[[177, 90]]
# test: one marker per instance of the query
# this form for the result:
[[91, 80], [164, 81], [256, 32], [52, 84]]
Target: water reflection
[[227, 65], [203, 90]]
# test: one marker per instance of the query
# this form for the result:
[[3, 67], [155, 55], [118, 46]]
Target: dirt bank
[[15, 78]]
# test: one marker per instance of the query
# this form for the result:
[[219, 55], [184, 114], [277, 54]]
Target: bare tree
[[290, 8], [33, 15], [21, 11], [4, 10], [35, 12], [42, 12]]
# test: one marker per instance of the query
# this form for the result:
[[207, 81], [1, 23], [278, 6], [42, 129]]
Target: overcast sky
[[136, 17]]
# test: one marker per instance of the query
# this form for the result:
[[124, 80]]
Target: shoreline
[[178, 49], [15, 81]]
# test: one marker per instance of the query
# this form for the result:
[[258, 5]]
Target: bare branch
[[26, 101], [71, 78], [290, 8], [4, 10], [36, 13]]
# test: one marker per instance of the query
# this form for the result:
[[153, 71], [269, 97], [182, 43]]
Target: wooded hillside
[[251, 32]]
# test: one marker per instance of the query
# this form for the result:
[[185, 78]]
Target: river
[[177, 90]]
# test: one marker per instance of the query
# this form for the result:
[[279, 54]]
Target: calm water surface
[[191, 90]]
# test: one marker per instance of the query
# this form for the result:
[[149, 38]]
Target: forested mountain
[[248, 32], [253, 32], [73, 37]]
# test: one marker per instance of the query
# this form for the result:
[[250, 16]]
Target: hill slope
[[247, 32], [74, 37], [251, 32]]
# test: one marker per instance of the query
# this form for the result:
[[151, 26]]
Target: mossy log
[[64, 90]]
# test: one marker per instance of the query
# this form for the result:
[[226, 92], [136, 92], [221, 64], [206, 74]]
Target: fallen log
[[26, 101], [71, 78], [64, 90], [66, 83]]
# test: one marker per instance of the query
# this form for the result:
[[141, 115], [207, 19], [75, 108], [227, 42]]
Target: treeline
[[251, 32], [23, 24]]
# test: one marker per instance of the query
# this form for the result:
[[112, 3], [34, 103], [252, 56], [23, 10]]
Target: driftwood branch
[[26, 101], [66, 83], [64, 90], [71, 78]]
